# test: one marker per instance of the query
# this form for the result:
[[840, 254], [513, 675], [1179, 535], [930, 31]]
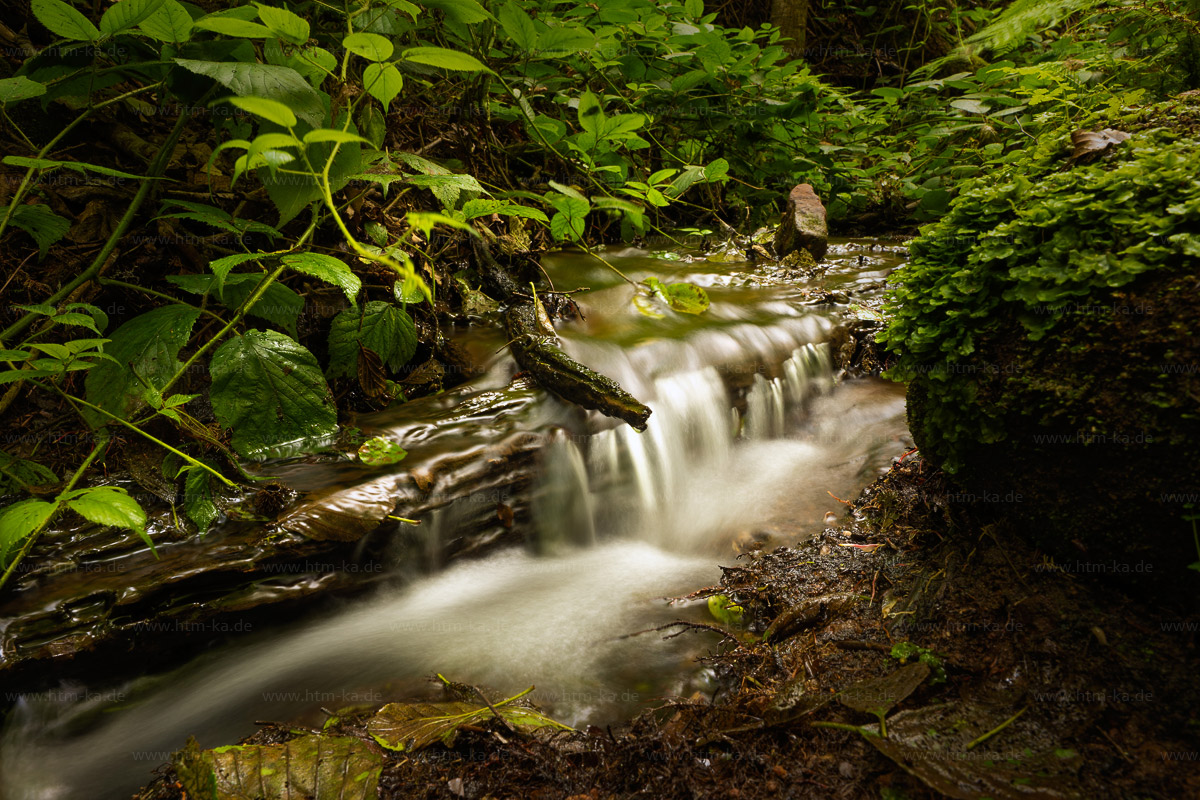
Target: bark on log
[[563, 376], [540, 356]]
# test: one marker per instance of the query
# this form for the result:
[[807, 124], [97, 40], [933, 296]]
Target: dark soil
[[1022, 680]]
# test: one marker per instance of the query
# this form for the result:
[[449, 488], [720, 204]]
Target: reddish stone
[[803, 225]]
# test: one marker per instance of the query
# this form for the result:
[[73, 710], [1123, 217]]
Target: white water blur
[[660, 505]]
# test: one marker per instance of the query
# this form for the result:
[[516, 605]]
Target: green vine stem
[[24, 186], [32, 537], [157, 168]]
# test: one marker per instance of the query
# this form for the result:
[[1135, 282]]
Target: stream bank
[[1032, 680]]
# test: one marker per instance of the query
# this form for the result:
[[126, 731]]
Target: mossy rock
[[1048, 328]]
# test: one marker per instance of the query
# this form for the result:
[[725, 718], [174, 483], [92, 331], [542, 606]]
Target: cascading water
[[749, 435]]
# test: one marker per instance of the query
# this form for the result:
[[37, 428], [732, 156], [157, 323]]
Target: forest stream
[[754, 435]]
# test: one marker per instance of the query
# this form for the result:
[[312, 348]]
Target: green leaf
[[409, 727], [270, 110], [63, 20], [231, 26], [970, 106], [591, 113], [563, 42], [125, 14], [19, 474], [269, 391], [467, 12], [518, 25], [170, 23], [147, 345], [380, 452], [198, 501], [282, 84], [110, 506], [411, 290], [326, 268], [15, 355], [41, 223], [383, 82], [386, 329], [444, 58], [716, 170], [283, 23], [334, 135], [222, 266], [20, 520], [278, 305], [564, 226], [13, 90], [77, 166], [370, 46], [310, 767], [687, 298]]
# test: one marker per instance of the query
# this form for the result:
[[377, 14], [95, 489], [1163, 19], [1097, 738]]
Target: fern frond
[[1024, 17]]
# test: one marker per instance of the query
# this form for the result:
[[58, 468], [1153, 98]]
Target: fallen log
[[537, 352], [558, 373]]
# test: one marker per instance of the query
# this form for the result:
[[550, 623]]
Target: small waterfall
[[748, 437]]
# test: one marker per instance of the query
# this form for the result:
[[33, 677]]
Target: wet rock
[[803, 225]]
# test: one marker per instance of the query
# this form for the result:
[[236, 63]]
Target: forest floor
[[999, 674]]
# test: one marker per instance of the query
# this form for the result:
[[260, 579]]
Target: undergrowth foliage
[[565, 122], [1025, 245]]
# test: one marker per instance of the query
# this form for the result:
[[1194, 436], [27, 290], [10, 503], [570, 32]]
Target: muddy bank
[[998, 673]]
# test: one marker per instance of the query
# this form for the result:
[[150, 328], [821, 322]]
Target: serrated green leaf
[[14, 90], [170, 23], [20, 520], [147, 345], [269, 391], [20, 473], [444, 58], [563, 42], [222, 266], [77, 166], [282, 84], [110, 506], [63, 20], [278, 304], [518, 25], [15, 355], [41, 223], [125, 14], [383, 82], [198, 502], [381, 327], [370, 46], [285, 24], [326, 268]]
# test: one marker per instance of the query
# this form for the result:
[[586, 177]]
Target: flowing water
[[752, 433]]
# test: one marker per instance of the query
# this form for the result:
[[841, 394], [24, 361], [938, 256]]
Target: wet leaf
[[933, 744], [269, 390], [687, 298], [309, 768], [380, 452], [878, 696], [326, 268], [410, 727], [371, 376], [386, 329]]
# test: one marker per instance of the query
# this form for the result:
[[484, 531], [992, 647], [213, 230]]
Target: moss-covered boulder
[[1049, 328]]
